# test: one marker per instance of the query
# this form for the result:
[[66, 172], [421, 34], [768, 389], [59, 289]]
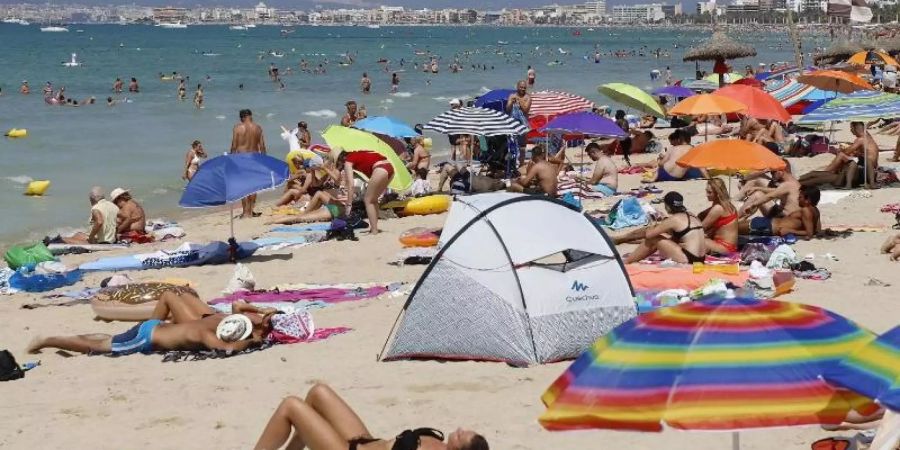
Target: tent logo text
[[578, 287]]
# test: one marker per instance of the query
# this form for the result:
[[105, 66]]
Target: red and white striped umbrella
[[554, 103]]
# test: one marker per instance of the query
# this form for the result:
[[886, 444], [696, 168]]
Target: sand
[[139, 402]]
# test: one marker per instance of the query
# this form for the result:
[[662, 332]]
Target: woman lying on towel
[[323, 421], [720, 221], [680, 237]]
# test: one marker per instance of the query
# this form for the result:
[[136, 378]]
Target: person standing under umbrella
[[247, 137]]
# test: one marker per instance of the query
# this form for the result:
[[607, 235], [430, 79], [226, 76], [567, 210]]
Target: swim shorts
[[335, 210], [135, 340], [761, 226], [604, 189]]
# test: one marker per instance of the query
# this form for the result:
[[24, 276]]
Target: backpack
[[340, 230], [9, 368]]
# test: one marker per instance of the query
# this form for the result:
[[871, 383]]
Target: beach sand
[[140, 402]]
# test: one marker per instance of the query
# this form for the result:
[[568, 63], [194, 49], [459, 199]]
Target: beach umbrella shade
[[700, 85], [759, 104], [863, 106], [351, 140], [585, 123], [835, 81], [791, 92], [495, 99], [728, 78], [477, 121], [387, 126], [719, 364], [553, 103], [673, 91], [873, 370], [838, 52], [869, 57], [706, 104], [632, 97], [731, 155], [719, 48], [752, 82], [226, 179]]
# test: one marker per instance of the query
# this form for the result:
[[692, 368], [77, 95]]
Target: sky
[[309, 4]]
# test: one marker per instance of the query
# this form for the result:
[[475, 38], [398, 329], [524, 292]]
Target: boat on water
[[287, 30], [502, 42], [54, 29], [73, 62], [238, 27], [250, 25], [277, 54], [373, 26], [172, 25], [15, 21]]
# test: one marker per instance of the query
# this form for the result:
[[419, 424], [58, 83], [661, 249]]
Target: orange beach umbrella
[[835, 81], [731, 155], [760, 104], [864, 58], [706, 104]]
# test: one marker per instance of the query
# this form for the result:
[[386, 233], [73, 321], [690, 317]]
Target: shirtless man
[[247, 137], [518, 105], [118, 85], [350, 117], [540, 175], [133, 85], [238, 333], [667, 168], [182, 90], [131, 217], [24, 89], [803, 222], [605, 177], [865, 149], [365, 84], [787, 192]]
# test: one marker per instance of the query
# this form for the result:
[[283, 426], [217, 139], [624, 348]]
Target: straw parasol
[[838, 52], [719, 48]]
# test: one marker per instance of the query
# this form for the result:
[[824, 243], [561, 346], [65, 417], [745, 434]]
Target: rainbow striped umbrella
[[873, 371], [718, 364]]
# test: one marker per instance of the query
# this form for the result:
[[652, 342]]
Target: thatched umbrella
[[838, 52], [719, 48]]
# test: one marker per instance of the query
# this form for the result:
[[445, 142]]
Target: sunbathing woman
[[720, 219], [679, 237], [325, 205], [323, 421]]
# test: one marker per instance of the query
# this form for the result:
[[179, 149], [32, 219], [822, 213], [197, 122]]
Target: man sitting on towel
[[605, 177], [803, 222], [667, 168], [540, 174]]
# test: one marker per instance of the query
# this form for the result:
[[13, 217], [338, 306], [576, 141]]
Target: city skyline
[[332, 4]]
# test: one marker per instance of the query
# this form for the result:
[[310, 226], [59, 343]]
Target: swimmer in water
[[198, 97], [182, 90], [118, 85], [365, 84], [133, 85]]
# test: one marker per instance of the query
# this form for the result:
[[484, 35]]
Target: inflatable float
[[17, 133], [419, 237], [130, 302], [37, 187], [432, 204]]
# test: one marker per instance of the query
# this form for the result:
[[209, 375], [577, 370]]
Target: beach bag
[[242, 280], [818, 144], [9, 368], [340, 230], [19, 256], [290, 328]]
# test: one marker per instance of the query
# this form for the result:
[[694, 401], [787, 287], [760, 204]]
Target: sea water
[[140, 144]]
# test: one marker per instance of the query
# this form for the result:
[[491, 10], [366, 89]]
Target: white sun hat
[[233, 328]]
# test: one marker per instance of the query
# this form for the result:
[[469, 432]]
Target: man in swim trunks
[[803, 222], [365, 84], [605, 177], [247, 137], [154, 335], [786, 192], [131, 221], [540, 175], [667, 168], [351, 116]]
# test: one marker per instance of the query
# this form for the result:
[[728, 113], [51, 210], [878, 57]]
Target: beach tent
[[519, 279]]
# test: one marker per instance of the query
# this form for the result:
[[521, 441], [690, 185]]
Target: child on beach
[[421, 186]]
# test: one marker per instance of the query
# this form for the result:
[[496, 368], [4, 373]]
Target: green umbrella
[[632, 97], [351, 140]]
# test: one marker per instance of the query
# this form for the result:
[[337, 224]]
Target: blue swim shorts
[[604, 189], [135, 340]]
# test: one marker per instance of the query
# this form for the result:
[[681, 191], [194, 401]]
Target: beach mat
[[301, 228], [654, 278], [199, 355], [65, 249], [326, 295], [184, 256]]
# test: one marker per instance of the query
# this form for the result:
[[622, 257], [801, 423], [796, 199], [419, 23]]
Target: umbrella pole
[[231, 217], [735, 440]]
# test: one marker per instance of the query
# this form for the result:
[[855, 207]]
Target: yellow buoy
[[17, 133], [37, 187]]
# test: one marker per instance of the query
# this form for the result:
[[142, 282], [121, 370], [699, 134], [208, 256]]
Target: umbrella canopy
[[838, 52], [873, 371], [228, 178], [731, 155], [387, 126], [585, 123], [706, 104], [478, 121], [701, 85], [752, 82], [729, 77], [552, 103], [719, 47], [632, 97], [495, 99], [351, 139], [835, 81], [716, 364], [866, 105], [760, 104], [864, 58], [793, 91], [674, 91]]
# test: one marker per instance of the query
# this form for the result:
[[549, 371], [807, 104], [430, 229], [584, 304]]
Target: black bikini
[[407, 440], [677, 236]]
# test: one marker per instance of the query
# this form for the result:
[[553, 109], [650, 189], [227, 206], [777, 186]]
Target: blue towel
[[628, 213], [302, 228]]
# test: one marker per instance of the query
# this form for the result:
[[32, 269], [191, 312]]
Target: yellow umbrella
[[351, 139]]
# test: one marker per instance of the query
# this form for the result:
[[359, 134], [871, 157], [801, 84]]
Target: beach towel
[[187, 254], [646, 277], [66, 249], [566, 184], [326, 295], [301, 228], [832, 197], [628, 212], [200, 355], [278, 243], [633, 170]]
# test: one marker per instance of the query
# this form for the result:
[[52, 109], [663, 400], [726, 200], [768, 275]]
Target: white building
[[652, 12], [596, 7]]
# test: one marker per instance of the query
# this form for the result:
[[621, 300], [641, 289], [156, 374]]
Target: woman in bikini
[[323, 421], [720, 219], [192, 160], [679, 238], [377, 169]]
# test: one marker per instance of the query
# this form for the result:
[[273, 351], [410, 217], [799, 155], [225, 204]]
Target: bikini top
[[409, 439], [725, 220], [679, 235]]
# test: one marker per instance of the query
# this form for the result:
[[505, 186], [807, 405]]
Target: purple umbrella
[[674, 91], [585, 123]]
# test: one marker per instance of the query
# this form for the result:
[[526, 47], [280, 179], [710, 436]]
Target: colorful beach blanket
[[185, 255], [185, 355], [326, 295]]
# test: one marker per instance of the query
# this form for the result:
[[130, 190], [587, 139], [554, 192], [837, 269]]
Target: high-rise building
[[596, 7], [652, 12]]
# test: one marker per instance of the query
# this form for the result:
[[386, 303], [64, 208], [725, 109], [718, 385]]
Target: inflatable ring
[[419, 237], [432, 204], [305, 154], [130, 302], [37, 188], [17, 133]]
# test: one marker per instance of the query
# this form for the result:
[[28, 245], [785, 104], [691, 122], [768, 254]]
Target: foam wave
[[159, 191], [387, 100], [20, 179], [220, 117], [327, 113], [441, 99], [403, 94]]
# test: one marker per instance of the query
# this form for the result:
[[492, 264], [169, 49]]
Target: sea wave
[[403, 94], [20, 179], [327, 113]]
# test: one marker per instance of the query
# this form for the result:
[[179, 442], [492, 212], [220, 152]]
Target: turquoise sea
[[140, 145]]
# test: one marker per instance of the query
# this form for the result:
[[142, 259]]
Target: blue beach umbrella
[[387, 126], [226, 179], [495, 99]]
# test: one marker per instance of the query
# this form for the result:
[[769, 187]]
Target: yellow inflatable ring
[[17, 133], [432, 204], [37, 187], [305, 154]]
